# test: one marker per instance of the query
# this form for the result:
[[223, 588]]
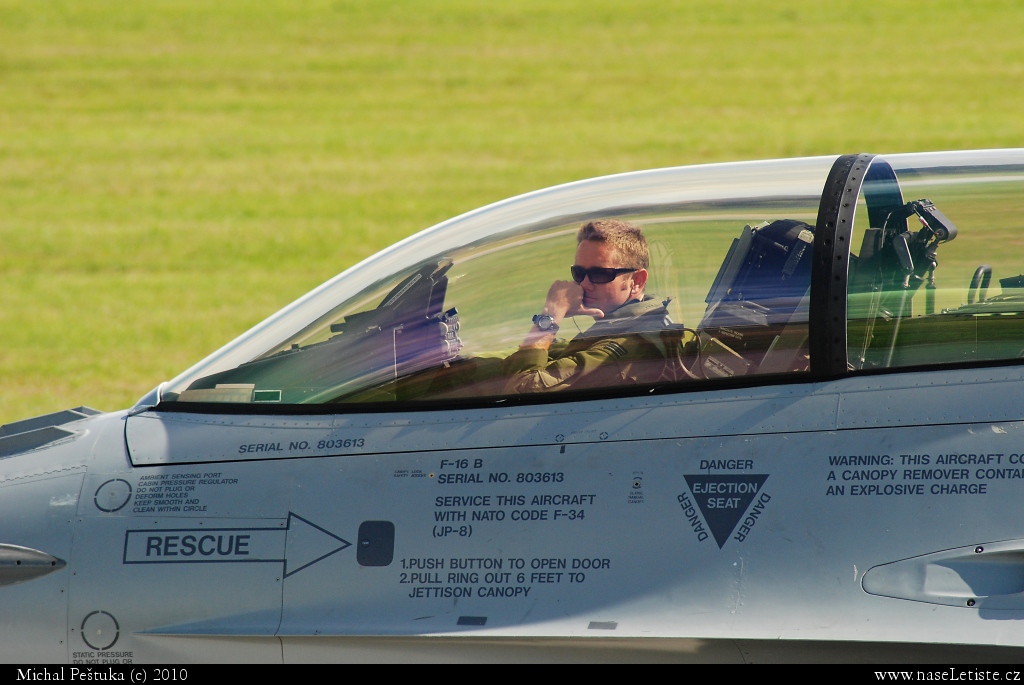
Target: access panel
[[763, 537]]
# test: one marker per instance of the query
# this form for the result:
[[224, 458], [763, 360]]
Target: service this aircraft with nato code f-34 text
[[804, 440]]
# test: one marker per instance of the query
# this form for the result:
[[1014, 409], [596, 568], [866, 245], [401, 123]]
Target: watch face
[[544, 322]]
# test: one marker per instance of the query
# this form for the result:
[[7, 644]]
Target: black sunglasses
[[597, 274]]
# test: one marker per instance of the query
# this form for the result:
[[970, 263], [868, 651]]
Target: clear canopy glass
[[441, 314], [937, 273]]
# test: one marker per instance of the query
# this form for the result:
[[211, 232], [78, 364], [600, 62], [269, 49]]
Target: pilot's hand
[[565, 298]]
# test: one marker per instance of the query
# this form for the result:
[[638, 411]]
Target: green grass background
[[172, 172]]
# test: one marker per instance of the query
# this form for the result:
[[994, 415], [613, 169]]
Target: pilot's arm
[[565, 298], [535, 369], [542, 364]]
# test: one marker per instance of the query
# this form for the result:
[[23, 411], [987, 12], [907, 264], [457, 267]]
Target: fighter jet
[[799, 436]]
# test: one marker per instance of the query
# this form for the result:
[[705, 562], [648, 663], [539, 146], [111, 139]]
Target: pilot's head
[[611, 263]]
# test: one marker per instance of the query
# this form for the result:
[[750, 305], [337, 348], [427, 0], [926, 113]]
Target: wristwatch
[[546, 323]]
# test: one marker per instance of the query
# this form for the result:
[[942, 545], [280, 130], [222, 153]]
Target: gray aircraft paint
[[702, 524], [635, 563]]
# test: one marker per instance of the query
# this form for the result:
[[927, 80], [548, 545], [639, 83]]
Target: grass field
[[171, 172]]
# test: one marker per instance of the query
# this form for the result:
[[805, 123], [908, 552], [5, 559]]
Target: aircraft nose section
[[18, 564]]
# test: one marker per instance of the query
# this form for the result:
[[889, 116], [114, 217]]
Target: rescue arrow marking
[[298, 545], [308, 543]]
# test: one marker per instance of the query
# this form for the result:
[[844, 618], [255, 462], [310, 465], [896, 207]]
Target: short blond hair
[[626, 238]]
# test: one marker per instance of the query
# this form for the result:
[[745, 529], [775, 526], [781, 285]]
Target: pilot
[[625, 344]]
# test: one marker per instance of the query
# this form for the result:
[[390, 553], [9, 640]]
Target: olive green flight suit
[[625, 347]]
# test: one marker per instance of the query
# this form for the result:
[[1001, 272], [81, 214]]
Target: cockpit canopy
[[731, 280]]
